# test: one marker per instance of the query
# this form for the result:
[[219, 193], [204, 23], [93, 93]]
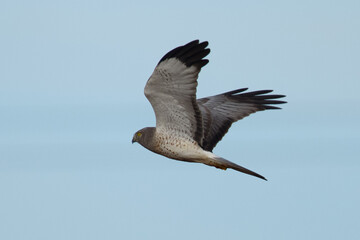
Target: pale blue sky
[[72, 75]]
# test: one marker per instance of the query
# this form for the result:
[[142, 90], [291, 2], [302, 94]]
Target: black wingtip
[[190, 54], [260, 98]]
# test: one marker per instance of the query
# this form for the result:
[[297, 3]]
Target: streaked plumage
[[187, 129]]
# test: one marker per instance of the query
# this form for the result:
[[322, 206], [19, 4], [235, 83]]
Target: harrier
[[187, 129]]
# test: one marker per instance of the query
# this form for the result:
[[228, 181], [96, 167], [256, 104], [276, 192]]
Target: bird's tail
[[224, 164]]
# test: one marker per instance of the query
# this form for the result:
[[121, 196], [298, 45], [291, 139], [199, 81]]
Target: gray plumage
[[188, 129]]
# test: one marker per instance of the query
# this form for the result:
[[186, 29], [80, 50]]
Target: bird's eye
[[139, 134]]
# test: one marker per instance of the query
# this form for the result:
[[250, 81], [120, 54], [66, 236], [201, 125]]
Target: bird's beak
[[133, 140]]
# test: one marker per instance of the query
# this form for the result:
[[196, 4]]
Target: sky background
[[72, 75]]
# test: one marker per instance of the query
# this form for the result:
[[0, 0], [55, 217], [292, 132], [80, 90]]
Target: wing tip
[[190, 54], [261, 98]]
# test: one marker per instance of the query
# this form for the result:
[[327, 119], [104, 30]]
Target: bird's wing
[[220, 111], [171, 89]]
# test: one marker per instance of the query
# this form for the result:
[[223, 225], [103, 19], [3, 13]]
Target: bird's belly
[[180, 148]]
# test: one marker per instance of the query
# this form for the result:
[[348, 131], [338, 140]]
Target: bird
[[187, 129]]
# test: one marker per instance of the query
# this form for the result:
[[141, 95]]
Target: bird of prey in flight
[[187, 129]]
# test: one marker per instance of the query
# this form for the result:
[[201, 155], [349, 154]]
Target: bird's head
[[137, 136], [144, 136]]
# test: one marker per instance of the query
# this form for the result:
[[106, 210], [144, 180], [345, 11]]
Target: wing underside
[[171, 89]]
